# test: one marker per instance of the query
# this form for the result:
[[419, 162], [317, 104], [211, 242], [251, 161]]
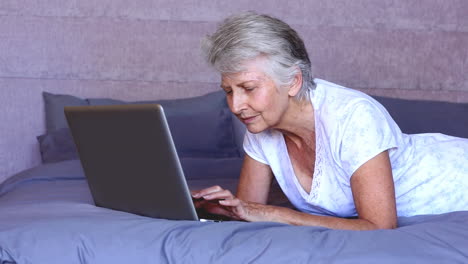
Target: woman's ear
[[296, 84]]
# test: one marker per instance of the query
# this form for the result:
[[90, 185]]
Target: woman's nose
[[238, 102]]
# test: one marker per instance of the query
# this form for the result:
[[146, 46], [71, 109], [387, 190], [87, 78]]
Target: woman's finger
[[230, 202], [206, 191], [216, 209], [227, 204], [223, 194], [199, 203], [193, 192], [235, 207]]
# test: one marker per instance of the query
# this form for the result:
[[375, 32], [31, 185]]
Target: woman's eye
[[228, 91], [249, 88]]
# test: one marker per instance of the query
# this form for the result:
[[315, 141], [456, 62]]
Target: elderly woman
[[336, 153]]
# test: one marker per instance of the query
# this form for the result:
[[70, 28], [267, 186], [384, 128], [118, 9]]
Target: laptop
[[130, 161]]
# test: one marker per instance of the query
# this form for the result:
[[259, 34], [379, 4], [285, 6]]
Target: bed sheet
[[47, 216]]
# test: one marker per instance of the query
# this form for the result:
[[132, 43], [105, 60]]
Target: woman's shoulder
[[333, 101], [342, 110], [330, 93], [265, 147]]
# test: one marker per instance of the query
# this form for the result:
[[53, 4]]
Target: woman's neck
[[298, 122]]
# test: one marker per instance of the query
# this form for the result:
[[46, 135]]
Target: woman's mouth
[[248, 120]]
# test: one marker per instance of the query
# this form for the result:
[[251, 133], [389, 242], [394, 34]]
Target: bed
[[47, 214]]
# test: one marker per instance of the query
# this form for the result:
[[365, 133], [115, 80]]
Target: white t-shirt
[[430, 171]]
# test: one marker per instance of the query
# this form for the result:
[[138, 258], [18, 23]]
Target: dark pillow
[[57, 146], [192, 127], [417, 116], [206, 168], [206, 134], [54, 104], [199, 104], [209, 102], [202, 127]]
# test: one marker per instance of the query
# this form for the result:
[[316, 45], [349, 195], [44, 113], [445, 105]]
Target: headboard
[[150, 50]]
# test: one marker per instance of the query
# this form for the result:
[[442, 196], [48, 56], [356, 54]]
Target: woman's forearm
[[292, 217]]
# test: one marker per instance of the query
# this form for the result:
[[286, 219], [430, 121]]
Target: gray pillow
[[417, 116], [206, 168], [54, 104], [57, 146], [202, 127]]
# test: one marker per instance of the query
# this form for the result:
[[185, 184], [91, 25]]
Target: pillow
[[201, 126], [192, 127], [209, 102], [200, 104], [57, 146], [417, 116], [206, 134], [206, 168], [54, 104]]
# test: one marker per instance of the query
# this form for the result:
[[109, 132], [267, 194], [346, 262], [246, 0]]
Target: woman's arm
[[255, 181], [374, 197], [373, 192], [254, 186]]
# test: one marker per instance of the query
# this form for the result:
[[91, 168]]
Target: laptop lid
[[130, 160]]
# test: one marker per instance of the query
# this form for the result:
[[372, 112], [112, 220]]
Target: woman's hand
[[216, 200]]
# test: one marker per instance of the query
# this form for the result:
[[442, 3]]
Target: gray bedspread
[[47, 216]]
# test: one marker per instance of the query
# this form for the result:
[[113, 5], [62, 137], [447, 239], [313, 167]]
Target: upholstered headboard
[[150, 50]]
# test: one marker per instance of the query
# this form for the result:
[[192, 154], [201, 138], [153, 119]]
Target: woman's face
[[254, 97]]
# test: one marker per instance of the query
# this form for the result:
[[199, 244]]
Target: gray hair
[[249, 35]]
